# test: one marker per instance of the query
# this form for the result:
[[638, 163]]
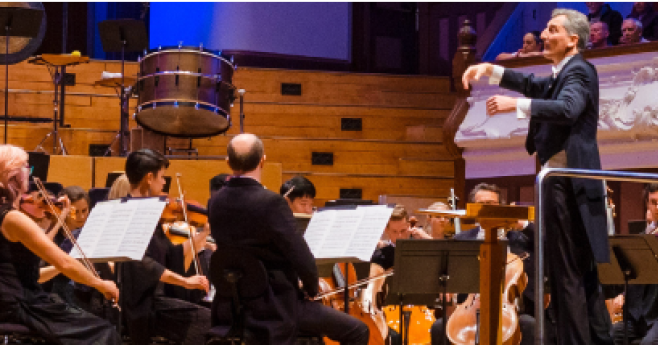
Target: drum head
[[183, 120]]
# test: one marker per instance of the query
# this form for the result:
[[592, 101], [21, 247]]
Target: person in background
[[299, 192], [438, 225], [632, 32], [218, 182], [641, 299], [598, 35], [602, 12], [120, 188], [645, 13], [532, 46]]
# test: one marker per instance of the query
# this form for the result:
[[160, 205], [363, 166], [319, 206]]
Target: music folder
[[346, 234], [119, 230]]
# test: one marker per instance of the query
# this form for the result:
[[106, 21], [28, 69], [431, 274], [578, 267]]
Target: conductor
[[563, 110], [245, 214]]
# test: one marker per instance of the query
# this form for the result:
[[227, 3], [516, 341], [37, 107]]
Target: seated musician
[[437, 226], [245, 214], [34, 206], [520, 242], [149, 312], [642, 299], [383, 258], [299, 192], [22, 243]]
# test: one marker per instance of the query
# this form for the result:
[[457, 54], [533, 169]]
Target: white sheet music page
[[120, 229], [341, 231], [92, 230], [369, 232], [317, 230], [141, 227]]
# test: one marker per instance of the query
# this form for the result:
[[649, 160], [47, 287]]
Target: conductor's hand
[[500, 104], [197, 282], [108, 289], [476, 72]]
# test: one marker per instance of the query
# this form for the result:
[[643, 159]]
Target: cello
[[463, 324], [329, 295]]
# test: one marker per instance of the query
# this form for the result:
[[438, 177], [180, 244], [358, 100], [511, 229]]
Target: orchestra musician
[[642, 299], [520, 242], [299, 192], [245, 214], [383, 259], [22, 244], [437, 225], [149, 312], [563, 111]]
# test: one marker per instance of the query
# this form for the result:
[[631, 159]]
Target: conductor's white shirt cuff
[[496, 75], [523, 108]]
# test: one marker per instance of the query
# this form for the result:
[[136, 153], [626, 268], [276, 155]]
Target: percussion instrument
[[185, 92]]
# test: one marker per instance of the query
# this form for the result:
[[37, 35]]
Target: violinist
[[520, 242], [642, 299], [33, 205], [22, 243], [149, 312], [245, 214]]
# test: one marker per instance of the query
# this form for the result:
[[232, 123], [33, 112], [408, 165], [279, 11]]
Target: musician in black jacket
[[564, 112], [245, 214]]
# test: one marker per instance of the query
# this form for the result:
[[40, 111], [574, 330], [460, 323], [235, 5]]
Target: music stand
[[16, 22], [425, 270], [633, 260], [121, 36], [56, 63]]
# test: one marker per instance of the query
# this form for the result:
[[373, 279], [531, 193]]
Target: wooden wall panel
[[71, 171]]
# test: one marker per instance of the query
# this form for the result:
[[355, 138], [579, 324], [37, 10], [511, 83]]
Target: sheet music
[[117, 229], [373, 223], [349, 233]]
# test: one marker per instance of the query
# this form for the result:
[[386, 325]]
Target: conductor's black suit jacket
[[245, 214], [564, 116]]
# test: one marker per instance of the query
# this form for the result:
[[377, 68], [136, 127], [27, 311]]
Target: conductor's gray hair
[[575, 23]]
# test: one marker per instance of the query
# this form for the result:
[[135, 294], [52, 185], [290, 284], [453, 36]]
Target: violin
[[463, 324], [37, 206], [173, 220]]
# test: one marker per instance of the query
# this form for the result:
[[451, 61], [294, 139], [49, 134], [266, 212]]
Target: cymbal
[[485, 211], [114, 82], [58, 59]]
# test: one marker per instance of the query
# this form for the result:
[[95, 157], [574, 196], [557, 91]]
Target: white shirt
[[559, 160]]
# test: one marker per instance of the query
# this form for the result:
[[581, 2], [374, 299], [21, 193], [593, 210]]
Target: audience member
[[632, 32], [598, 35], [601, 12], [532, 46], [644, 12]]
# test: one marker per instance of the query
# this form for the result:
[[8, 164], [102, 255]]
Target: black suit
[[245, 214], [564, 116]]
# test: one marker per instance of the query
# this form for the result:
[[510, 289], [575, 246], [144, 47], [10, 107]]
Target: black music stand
[[16, 22], [633, 260], [427, 269], [121, 36]]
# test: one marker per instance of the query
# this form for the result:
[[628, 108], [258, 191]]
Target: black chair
[[238, 275], [11, 333]]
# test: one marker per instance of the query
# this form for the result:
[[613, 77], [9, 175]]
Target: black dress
[[23, 301]]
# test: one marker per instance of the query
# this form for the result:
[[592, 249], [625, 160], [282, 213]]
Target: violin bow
[[195, 258], [68, 233], [355, 284]]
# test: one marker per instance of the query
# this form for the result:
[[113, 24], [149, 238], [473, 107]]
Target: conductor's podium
[[492, 260]]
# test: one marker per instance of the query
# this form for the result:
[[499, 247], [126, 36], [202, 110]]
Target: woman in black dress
[[22, 245]]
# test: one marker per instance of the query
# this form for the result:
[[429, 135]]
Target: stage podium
[[492, 259]]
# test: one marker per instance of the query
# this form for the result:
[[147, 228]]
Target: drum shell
[[186, 75]]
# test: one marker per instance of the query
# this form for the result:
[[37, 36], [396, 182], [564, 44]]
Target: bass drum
[[185, 92]]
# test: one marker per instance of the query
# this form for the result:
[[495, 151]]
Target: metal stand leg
[[57, 140]]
